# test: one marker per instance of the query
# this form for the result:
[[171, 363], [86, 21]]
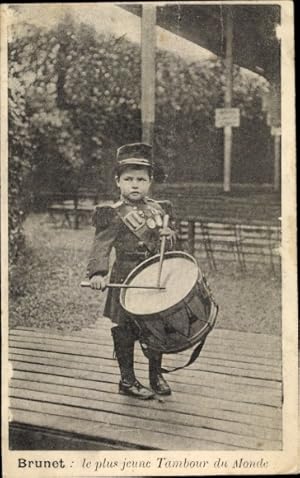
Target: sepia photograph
[[148, 238]]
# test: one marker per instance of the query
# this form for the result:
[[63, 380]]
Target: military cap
[[139, 154]]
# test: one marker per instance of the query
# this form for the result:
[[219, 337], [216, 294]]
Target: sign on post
[[227, 117], [275, 131]]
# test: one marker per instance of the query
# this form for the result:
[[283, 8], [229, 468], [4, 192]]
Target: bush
[[20, 150], [75, 97]]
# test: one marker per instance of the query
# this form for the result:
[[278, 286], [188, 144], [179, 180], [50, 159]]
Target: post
[[148, 42], [228, 97]]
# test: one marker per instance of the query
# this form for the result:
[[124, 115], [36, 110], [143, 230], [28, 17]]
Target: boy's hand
[[98, 282], [167, 232]]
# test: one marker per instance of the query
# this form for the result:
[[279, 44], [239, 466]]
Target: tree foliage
[[20, 150], [75, 97]]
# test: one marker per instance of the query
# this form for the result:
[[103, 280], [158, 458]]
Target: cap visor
[[135, 161]]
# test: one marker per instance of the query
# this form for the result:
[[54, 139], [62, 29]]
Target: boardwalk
[[66, 386]]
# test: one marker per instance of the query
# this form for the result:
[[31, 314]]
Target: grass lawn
[[45, 290]]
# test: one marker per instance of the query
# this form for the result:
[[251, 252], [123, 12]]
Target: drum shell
[[182, 325]]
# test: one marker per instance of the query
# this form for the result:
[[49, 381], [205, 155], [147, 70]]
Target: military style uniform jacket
[[132, 230]]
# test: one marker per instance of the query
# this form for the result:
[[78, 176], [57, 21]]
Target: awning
[[255, 46]]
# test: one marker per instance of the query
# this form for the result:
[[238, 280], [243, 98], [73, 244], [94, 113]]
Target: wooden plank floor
[[230, 398]]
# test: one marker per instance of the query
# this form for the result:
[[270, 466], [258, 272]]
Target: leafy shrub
[[75, 97], [20, 150]]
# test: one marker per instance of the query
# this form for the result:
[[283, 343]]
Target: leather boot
[[157, 382], [124, 349]]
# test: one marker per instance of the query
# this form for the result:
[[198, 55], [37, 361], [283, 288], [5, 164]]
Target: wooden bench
[[67, 214], [212, 240], [239, 243]]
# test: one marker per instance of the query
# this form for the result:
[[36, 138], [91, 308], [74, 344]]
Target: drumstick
[[162, 249], [124, 286]]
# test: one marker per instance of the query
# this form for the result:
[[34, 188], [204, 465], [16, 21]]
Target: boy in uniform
[[133, 227]]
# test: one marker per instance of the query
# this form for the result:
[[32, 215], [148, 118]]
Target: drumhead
[[179, 275]]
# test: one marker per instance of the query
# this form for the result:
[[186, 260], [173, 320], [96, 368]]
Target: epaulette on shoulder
[[159, 201], [103, 214], [150, 199], [108, 205], [167, 206], [117, 204], [164, 203], [103, 205]]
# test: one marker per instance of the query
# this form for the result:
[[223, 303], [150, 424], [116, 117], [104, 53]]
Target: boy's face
[[134, 183]]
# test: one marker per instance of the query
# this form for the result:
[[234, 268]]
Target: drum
[[175, 318]]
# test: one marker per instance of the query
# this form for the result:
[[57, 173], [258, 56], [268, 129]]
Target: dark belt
[[134, 256]]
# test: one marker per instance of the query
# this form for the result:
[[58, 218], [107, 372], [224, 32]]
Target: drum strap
[[195, 354]]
